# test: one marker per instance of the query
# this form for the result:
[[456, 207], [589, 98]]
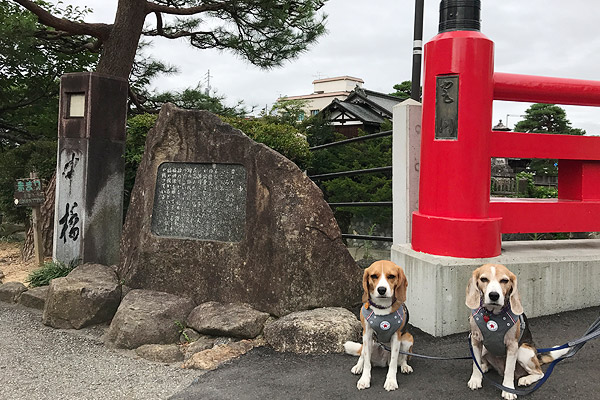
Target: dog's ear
[[401, 286], [515, 297], [366, 289], [473, 297]]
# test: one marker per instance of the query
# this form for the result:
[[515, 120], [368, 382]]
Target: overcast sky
[[372, 40]]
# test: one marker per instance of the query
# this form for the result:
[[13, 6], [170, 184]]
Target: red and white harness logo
[[492, 326], [385, 325]]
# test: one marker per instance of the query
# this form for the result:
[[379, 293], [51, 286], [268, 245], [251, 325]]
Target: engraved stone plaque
[[200, 201], [446, 107]]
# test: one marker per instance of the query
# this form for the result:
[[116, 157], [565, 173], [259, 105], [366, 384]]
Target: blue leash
[[592, 332]]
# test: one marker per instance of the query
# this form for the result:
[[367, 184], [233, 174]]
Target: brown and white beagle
[[500, 332], [384, 318]]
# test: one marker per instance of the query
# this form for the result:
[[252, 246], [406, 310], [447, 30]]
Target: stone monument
[[219, 217]]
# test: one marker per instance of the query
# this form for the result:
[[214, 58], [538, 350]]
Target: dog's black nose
[[381, 290], [494, 296]]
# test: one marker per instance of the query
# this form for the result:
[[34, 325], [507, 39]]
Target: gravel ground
[[39, 362]]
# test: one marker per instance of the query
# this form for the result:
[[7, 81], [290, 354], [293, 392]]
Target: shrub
[[50, 270]]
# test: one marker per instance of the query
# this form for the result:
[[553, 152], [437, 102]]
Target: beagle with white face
[[500, 332], [384, 318]]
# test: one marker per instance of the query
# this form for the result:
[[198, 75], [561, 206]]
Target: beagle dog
[[384, 319], [500, 332]]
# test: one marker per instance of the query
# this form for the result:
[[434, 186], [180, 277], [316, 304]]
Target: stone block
[[235, 320], [34, 297]]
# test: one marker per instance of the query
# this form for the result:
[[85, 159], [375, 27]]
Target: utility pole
[[415, 91]]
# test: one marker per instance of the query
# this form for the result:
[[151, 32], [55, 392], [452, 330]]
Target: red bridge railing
[[456, 215]]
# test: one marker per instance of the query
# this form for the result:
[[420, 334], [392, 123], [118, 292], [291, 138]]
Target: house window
[[313, 112], [301, 116]]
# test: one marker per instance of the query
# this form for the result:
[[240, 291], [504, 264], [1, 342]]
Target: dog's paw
[[363, 383], [474, 383], [390, 384], [357, 369], [406, 369], [529, 379], [508, 396], [485, 367]]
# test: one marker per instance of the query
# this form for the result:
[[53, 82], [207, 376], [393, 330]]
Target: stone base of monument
[[553, 276]]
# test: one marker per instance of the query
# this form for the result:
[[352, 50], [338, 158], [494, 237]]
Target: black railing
[[332, 175]]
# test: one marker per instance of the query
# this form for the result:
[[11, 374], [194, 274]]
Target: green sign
[[28, 192]]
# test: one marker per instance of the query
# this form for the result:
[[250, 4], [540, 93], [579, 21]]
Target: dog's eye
[[391, 276], [504, 280], [374, 276], [483, 280]]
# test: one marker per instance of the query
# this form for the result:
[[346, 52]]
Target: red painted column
[[454, 191]]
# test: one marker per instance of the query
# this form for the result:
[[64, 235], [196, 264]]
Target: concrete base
[[553, 276]]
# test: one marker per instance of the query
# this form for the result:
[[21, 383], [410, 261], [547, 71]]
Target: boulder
[[219, 319], [10, 292], [212, 358], [200, 344], [89, 295], [34, 297], [188, 335], [165, 353], [319, 331], [147, 317], [264, 235]]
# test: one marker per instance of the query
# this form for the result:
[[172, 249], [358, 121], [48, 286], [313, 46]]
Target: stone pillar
[[90, 168], [406, 147]]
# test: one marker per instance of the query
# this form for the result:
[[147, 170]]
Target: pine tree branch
[[97, 30], [153, 8]]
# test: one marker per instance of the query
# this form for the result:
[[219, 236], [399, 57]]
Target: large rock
[[165, 353], [236, 320], [319, 331], [34, 297], [148, 317], [89, 295], [288, 254], [10, 292]]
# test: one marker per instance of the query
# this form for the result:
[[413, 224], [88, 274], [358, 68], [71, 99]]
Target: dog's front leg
[[365, 380], [390, 381], [509, 370], [476, 376]]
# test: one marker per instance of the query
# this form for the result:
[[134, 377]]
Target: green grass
[[50, 270]]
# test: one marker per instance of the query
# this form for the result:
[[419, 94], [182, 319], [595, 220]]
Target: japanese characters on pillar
[[453, 216], [69, 203]]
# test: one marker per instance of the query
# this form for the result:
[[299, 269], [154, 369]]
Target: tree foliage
[[30, 69], [403, 90], [264, 32], [359, 188]]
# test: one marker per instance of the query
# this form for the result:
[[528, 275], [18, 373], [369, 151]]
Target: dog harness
[[493, 327], [384, 326]]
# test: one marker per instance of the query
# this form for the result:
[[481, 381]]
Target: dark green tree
[[30, 69], [546, 118], [264, 32]]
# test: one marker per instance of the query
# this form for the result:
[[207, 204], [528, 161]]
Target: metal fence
[[387, 169]]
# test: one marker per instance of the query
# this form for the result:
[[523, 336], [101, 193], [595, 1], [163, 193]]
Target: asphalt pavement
[[265, 374], [38, 362]]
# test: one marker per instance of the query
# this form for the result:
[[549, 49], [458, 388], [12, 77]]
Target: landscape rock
[[212, 358], [11, 291], [165, 353], [290, 255], [89, 295], [147, 317], [34, 297], [2, 273], [235, 320], [200, 344], [319, 331], [188, 335]]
